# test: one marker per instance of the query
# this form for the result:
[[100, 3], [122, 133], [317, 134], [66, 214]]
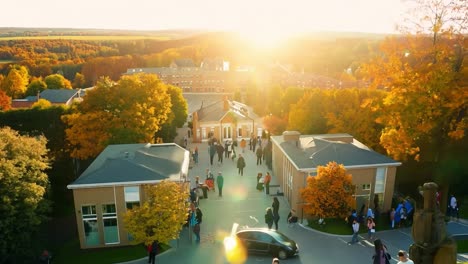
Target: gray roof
[[215, 111], [315, 150], [195, 101], [134, 163], [58, 95]]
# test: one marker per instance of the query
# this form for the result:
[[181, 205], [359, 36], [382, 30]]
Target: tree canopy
[[330, 193], [57, 81], [162, 216], [176, 118], [24, 186], [128, 111], [15, 83]]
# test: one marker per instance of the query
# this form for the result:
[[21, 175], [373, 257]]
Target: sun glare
[[265, 38]]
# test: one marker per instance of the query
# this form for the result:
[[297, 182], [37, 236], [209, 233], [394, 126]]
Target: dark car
[[269, 242]]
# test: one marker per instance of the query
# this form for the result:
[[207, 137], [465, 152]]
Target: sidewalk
[[241, 203]]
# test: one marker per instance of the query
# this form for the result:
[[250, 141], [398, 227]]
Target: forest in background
[[328, 54]]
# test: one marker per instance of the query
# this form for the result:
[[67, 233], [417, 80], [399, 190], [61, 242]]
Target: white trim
[[358, 166], [111, 184]]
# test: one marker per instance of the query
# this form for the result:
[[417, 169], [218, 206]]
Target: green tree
[[36, 86], [57, 81], [177, 116], [130, 110], [24, 186], [308, 115], [335, 188], [161, 216]]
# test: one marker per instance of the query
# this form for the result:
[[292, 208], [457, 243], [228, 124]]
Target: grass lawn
[[462, 246], [340, 227], [70, 253]]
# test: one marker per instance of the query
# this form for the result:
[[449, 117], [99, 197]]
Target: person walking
[[403, 258], [241, 165], [196, 231], [266, 182], [243, 144], [275, 207], [370, 228], [212, 150], [220, 150], [195, 155], [220, 182], [152, 251], [259, 154], [392, 218], [269, 217], [354, 239], [254, 144], [381, 255], [453, 207]]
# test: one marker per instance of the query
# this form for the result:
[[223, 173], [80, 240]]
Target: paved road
[[241, 201]]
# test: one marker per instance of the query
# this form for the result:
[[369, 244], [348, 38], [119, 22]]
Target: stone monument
[[431, 243]]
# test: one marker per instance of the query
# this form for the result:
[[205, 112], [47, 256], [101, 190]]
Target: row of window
[[109, 219]]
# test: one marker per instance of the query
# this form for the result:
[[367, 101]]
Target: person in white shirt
[[403, 258]]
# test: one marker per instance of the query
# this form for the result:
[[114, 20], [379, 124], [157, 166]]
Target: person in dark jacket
[[269, 217], [212, 150], [241, 165], [259, 154], [275, 207], [220, 150], [152, 251]]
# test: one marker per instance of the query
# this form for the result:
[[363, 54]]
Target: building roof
[[59, 95], [318, 150], [134, 163], [195, 101], [215, 111]]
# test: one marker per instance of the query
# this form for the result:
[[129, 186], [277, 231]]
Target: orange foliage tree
[[330, 193], [5, 101], [128, 111], [425, 76]]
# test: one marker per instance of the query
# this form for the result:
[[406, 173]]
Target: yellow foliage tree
[[330, 193], [129, 111], [41, 104], [162, 216]]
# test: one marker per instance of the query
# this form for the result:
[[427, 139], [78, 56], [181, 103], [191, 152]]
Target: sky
[[250, 16]]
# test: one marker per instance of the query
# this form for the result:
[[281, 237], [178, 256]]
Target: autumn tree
[[425, 108], [330, 194], [15, 83], [79, 80], [161, 216], [275, 125], [24, 185], [128, 111], [57, 81], [36, 86], [5, 101], [41, 104]]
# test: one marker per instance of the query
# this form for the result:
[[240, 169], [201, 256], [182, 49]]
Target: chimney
[[292, 136], [226, 103]]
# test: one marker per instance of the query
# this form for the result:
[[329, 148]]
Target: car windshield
[[280, 237]]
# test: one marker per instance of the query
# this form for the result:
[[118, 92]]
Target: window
[[90, 225], [109, 219], [366, 187], [132, 196]]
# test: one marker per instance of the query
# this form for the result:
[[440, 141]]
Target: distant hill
[[13, 32]]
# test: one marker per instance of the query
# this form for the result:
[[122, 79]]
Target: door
[[227, 132]]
